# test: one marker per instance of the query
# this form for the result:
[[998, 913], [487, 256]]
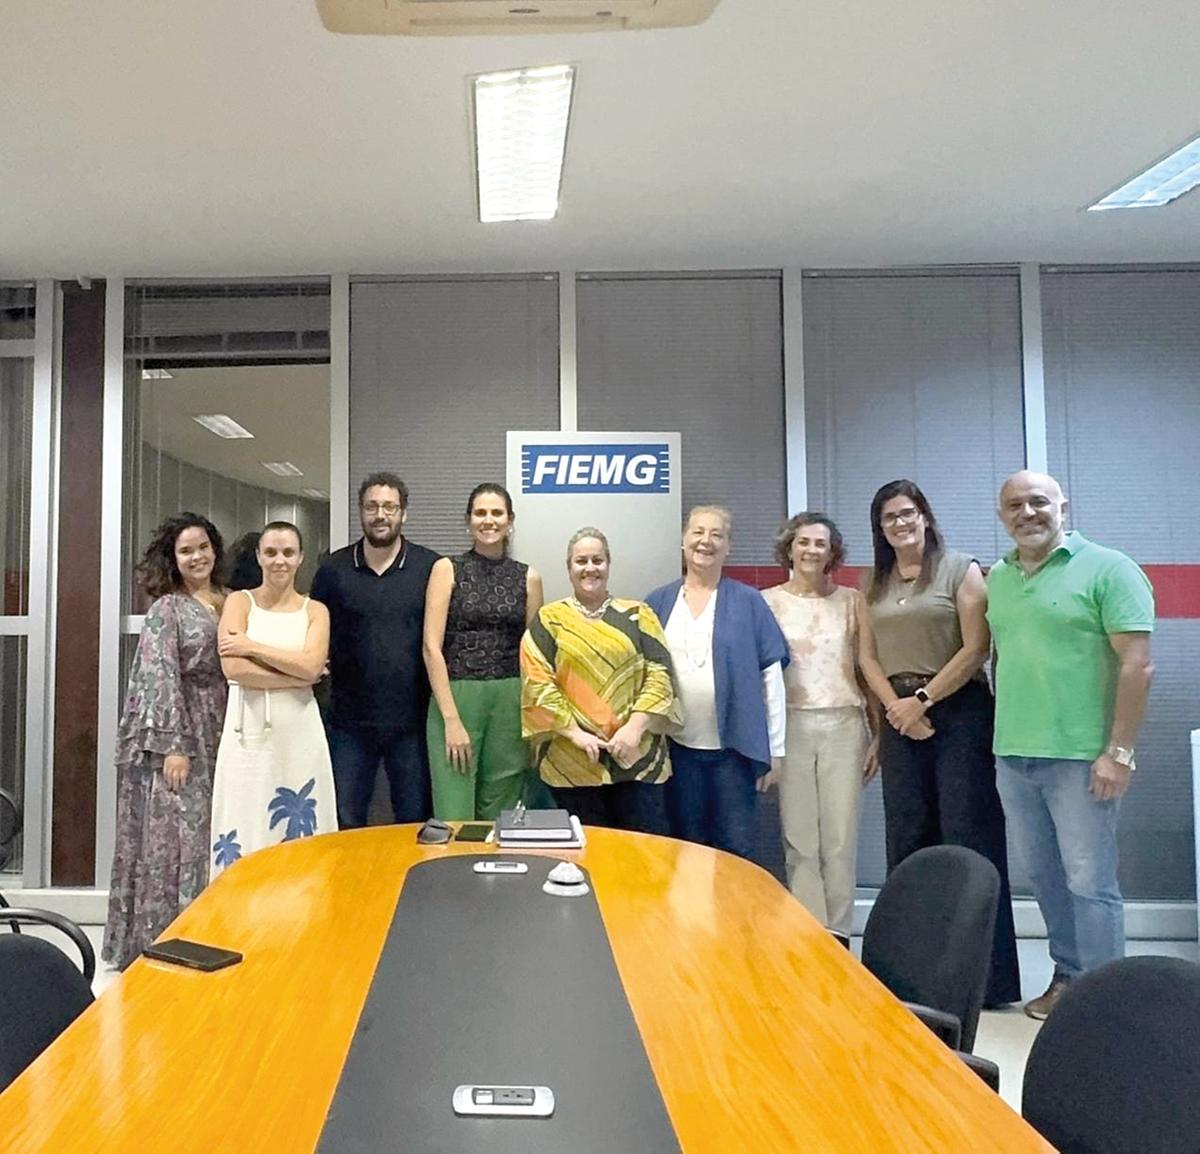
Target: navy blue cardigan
[[746, 640]]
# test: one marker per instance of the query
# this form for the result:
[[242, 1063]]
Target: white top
[[690, 641], [822, 637]]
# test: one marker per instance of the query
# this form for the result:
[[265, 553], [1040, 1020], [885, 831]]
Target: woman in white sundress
[[273, 780]]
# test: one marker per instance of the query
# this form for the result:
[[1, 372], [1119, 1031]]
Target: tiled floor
[[1004, 1036]]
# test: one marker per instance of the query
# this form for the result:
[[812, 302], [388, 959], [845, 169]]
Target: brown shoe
[[1040, 1008]]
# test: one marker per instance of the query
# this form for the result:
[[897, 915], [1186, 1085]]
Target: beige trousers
[[820, 797]]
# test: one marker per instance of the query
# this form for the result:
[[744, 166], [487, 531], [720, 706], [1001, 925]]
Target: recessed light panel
[[223, 426], [520, 140], [1166, 181], [282, 468]]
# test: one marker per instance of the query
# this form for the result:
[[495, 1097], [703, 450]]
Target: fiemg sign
[[595, 468]]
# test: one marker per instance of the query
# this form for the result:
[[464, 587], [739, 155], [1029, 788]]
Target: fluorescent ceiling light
[[223, 426], [156, 375], [1166, 181], [316, 494], [520, 138], [282, 468]]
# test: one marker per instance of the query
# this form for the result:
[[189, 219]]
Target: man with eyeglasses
[[1071, 622], [374, 590]]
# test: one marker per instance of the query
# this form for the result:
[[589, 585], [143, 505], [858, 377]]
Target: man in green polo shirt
[[1071, 623]]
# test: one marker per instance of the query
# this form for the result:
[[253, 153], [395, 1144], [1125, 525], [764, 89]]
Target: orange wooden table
[[764, 1034]]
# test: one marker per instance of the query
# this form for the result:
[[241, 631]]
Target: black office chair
[[10, 825], [1116, 1067], [41, 991], [983, 1068], [929, 938]]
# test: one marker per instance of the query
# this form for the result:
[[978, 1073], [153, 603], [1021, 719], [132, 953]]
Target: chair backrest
[[1116, 1067], [10, 824], [929, 935], [41, 994]]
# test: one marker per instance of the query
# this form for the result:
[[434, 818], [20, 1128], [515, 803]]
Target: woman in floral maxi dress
[[167, 740]]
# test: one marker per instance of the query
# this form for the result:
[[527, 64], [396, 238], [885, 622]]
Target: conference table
[[763, 1034]]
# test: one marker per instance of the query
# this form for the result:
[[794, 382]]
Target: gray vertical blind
[[440, 370], [701, 354], [912, 375], [1122, 367]]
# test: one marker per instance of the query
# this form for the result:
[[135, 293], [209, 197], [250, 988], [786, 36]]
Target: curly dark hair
[[388, 481], [157, 569], [787, 535]]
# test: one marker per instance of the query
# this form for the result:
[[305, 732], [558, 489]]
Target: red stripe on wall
[[1176, 587], [1176, 590]]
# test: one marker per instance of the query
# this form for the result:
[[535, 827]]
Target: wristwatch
[[923, 697], [1122, 755]]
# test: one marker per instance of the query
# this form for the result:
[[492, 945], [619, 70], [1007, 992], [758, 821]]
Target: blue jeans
[[1068, 842], [356, 754], [711, 798]]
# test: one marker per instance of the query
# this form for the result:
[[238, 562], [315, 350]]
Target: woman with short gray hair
[[728, 655]]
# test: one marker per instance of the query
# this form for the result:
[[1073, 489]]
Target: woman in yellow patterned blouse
[[597, 697]]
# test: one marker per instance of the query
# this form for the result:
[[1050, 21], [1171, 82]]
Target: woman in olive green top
[[926, 641]]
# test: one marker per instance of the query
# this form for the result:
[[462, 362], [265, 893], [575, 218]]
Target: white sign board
[[624, 484]]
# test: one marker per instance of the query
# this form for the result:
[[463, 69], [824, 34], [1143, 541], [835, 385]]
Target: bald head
[[1032, 507], [1025, 478]]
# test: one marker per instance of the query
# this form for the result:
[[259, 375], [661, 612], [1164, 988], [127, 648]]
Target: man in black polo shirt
[[374, 590]]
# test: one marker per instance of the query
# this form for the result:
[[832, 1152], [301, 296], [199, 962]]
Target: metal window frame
[[1033, 374], [795, 424], [36, 625], [114, 624], [568, 362], [112, 513]]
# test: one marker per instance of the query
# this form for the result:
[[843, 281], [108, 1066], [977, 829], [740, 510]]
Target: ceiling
[[227, 138], [270, 401]]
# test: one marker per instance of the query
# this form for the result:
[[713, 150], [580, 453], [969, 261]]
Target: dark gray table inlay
[[485, 979]]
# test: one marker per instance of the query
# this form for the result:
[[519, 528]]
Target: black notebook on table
[[535, 825]]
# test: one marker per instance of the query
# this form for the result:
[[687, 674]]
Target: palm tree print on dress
[[226, 850], [299, 809]]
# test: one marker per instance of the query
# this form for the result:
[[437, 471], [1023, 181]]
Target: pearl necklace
[[591, 614]]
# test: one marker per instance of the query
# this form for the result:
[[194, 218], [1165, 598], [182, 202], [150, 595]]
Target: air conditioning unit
[[507, 17]]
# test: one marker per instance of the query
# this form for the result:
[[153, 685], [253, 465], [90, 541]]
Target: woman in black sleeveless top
[[476, 609]]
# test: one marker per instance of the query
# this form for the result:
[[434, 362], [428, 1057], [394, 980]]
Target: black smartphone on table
[[473, 831], [192, 955]]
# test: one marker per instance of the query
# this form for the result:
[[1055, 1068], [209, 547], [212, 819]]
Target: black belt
[[907, 683]]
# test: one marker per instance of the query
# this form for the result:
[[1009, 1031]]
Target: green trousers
[[500, 774]]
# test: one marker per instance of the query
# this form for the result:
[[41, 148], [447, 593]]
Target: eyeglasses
[[901, 517], [390, 508]]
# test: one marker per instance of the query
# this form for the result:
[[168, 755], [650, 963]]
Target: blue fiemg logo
[[595, 468]]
